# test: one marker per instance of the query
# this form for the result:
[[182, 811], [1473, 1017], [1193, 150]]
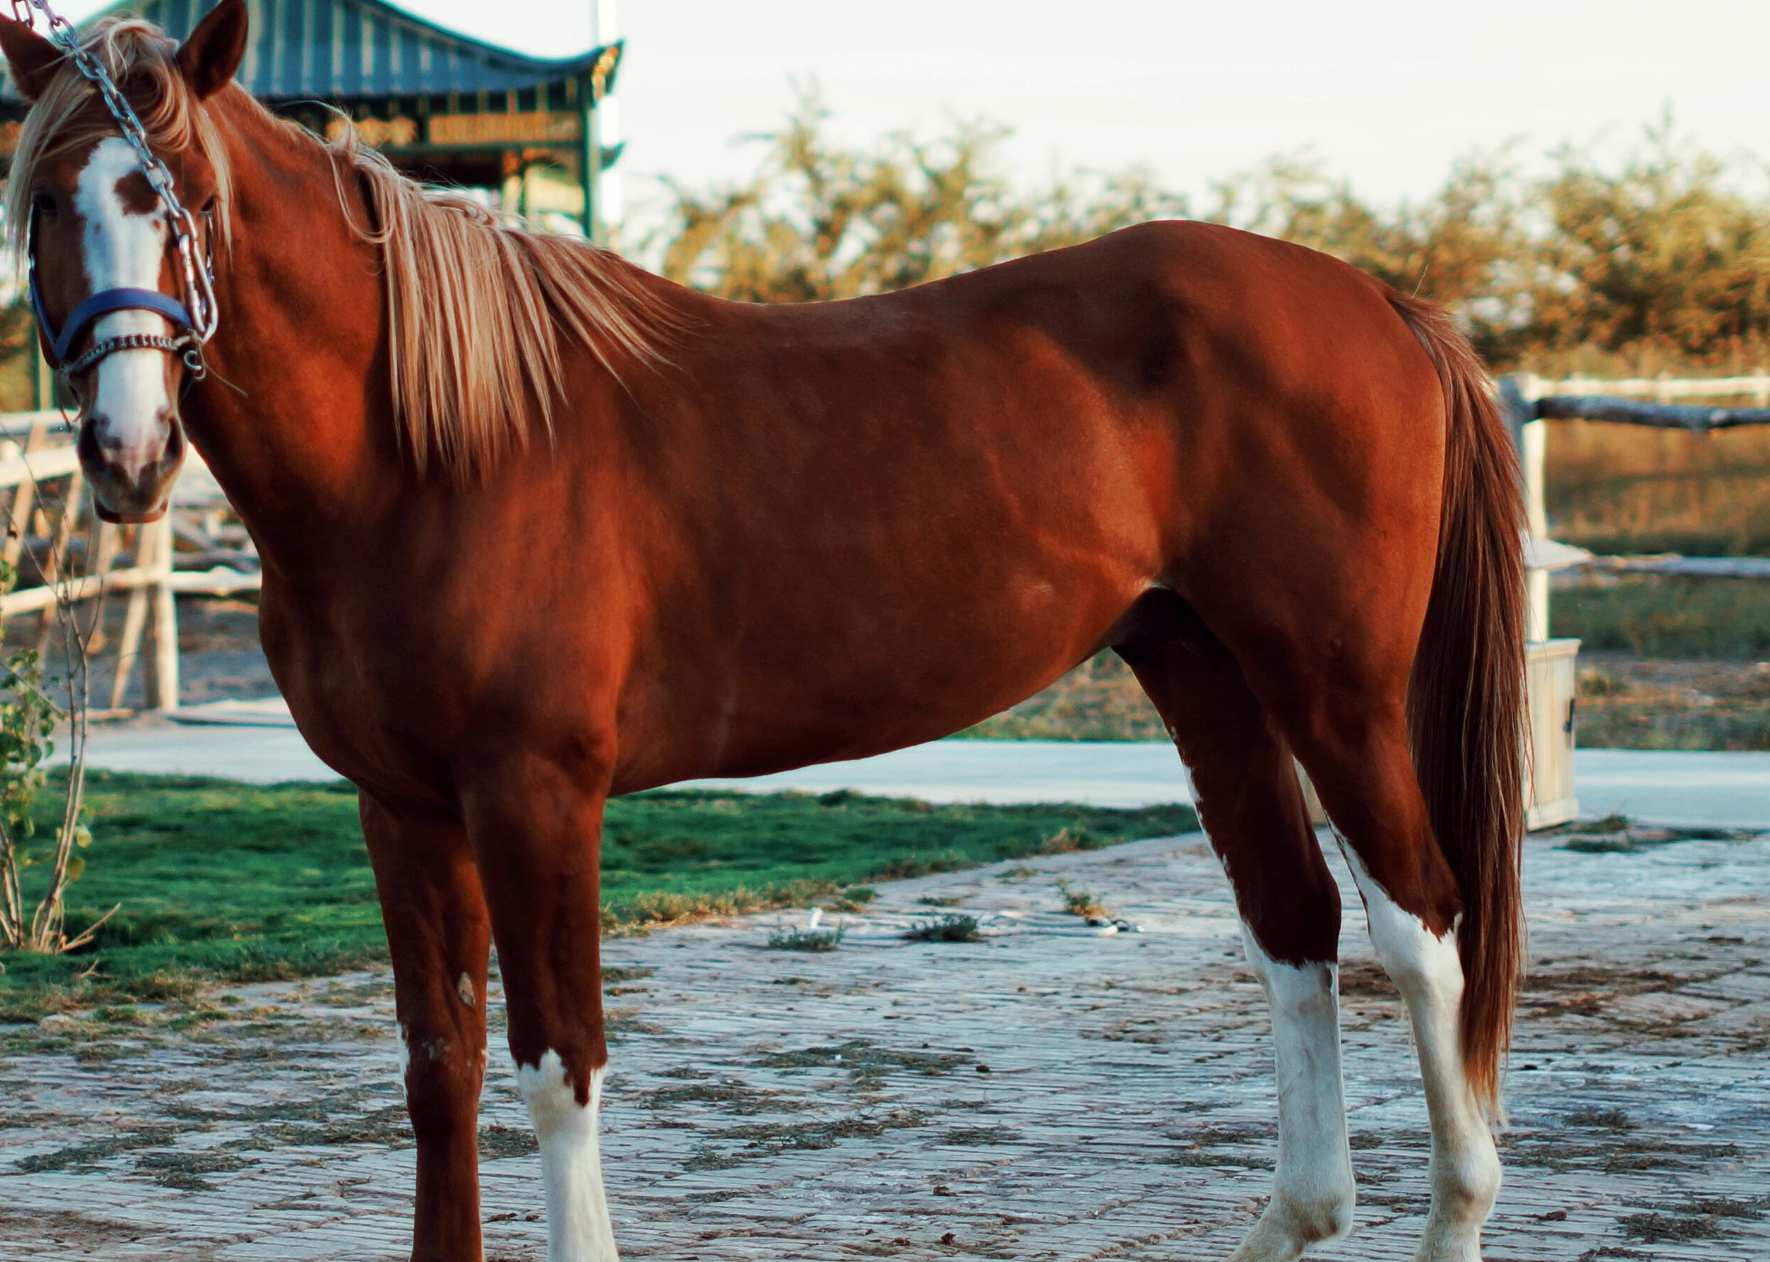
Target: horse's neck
[[293, 420]]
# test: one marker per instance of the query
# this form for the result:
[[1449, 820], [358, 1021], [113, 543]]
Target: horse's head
[[113, 301]]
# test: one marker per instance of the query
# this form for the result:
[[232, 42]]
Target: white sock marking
[[1313, 1191], [122, 249], [578, 1226], [1465, 1167]]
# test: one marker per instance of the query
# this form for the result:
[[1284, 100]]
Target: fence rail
[[45, 507], [1663, 389], [1530, 402]]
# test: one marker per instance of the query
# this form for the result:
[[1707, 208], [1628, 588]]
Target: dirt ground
[[1047, 1093], [1630, 702]]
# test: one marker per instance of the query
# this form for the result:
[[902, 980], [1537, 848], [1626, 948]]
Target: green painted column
[[589, 164]]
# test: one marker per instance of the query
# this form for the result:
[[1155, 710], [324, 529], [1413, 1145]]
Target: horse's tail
[[1466, 706]]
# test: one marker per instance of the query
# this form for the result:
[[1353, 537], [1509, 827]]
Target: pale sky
[[1388, 92]]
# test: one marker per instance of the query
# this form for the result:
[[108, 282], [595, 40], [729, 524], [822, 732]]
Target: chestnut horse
[[539, 528]]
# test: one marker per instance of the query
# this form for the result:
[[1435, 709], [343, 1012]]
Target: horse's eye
[[43, 205]]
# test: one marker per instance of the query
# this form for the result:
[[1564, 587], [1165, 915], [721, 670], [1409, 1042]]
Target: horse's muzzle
[[131, 483]]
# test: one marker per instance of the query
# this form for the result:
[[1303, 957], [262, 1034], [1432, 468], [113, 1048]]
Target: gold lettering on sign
[[498, 129], [397, 132]]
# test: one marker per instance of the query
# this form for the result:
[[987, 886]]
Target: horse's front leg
[[535, 826], [437, 932]]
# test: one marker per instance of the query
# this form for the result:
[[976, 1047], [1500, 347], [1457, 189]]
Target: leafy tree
[[1661, 260], [1658, 255], [822, 221]]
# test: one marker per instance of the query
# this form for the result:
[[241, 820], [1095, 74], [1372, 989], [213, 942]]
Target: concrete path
[[1047, 1094], [1725, 789]]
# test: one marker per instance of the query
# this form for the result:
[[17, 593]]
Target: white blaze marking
[[1312, 1191], [124, 250], [1465, 1168], [578, 1226]]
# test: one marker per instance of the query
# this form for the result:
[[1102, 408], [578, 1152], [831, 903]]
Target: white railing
[[1663, 388]]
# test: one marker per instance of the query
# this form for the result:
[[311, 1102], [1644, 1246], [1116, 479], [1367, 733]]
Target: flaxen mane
[[479, 308], [140, 59]]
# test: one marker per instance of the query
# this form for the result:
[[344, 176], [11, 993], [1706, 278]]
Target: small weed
[[946, 929], [863, 1060], [1603, 1119], [930, 900], [854, 898], [1080, 902], [1632, 839], [979, 1136], [1063, 841], [121, 1015], [1611, 823], [506, 1141], [1019, 872], [617, 975], [706, 1157], [805, 939]]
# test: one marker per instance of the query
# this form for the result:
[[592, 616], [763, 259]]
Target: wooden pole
[[134, 618], [1533, 451], [163, 682], [587, 155], [24, 498]]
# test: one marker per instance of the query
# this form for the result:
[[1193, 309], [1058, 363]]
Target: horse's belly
[[861, 680]]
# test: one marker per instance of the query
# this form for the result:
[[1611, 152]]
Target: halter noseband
[[186, 344]]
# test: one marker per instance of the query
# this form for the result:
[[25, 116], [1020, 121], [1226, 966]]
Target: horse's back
[[924, 506]]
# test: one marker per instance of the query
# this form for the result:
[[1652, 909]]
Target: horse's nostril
[[174, 443], [89, 444]]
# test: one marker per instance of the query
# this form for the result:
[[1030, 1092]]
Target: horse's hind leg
[[1253, 809], [1358, 756], [437, 933]]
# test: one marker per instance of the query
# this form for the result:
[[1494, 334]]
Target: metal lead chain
[[198, 280]]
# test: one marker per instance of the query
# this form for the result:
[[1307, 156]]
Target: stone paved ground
[[1046, 1094]]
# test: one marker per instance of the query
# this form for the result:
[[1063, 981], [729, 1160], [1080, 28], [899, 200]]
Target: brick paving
[[1048, 1093]]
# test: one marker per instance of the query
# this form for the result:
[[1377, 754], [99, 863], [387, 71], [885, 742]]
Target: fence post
[[1519, 391], [163, 685]]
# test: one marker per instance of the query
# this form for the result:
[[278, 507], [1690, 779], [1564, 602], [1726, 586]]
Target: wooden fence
[[62, 552], [1531, 402], [1660, 389]]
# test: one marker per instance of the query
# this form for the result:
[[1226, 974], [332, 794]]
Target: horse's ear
[[33, 59], [209, 58]]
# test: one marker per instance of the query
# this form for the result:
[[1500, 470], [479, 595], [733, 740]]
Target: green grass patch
[[228, 882], [1667, 617]]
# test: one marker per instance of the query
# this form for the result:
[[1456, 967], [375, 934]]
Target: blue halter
[[103, 303]]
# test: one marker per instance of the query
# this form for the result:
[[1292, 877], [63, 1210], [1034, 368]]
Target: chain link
[[198, 282]]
